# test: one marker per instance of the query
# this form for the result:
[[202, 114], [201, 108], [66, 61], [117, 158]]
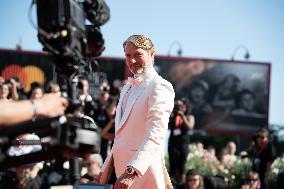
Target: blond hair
[[140, 41]]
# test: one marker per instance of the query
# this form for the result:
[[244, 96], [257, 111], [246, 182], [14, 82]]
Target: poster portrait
[[228, 97]]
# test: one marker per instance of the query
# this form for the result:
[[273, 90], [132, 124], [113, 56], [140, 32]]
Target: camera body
[[63, 33], [61, 26]]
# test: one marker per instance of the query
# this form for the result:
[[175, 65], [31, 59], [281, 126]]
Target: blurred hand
[[51, 105], [84, 180], [180, 113], [124, 181], [13, 82]]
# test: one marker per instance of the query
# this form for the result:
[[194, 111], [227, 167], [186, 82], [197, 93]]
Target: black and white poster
[[227, 97]]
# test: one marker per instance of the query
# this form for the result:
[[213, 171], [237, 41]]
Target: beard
[[138, 69]]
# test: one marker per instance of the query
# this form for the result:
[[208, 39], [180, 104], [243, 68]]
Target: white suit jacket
[[140, 133]]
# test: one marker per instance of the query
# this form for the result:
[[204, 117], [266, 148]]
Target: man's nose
[[133, 60]]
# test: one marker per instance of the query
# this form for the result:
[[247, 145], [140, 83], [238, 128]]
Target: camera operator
[[50, 105], [181, 121]]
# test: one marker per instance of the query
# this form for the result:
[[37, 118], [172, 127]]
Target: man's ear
[[152, 53]]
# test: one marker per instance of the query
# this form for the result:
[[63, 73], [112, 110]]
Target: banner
[[226, 97]]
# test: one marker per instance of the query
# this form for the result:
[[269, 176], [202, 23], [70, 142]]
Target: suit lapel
[[118, 108], [130, 104]]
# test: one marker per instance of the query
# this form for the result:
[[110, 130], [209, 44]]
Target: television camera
[[63, 33]]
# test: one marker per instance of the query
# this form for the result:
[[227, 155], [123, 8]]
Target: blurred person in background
[[180, 122], [20, 89], [230, 157], [24, 176], [14, 87], [251, 181], [85, 99], [78, 112], [4, 92], [117, 85], [262, 155], [94, 163], [209, 157], [102, 115], [36, 92], [53, 87], [200, 148], [108, 131], [193, 180], [8, 90], [84, 96]]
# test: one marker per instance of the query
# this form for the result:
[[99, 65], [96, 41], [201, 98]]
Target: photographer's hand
[[50, 105], [188, 119]]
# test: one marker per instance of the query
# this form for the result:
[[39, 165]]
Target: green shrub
[[277, 167]]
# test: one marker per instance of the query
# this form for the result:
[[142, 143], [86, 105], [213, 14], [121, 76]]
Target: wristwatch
[[130, 170]]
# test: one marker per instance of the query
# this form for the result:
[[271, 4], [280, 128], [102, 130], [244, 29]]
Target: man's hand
[[51, 105], [124, 181], [84, 180]]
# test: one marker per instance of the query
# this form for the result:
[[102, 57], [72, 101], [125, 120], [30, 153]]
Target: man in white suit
[[141, 122]]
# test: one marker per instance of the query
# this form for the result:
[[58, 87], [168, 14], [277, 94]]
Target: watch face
[[129, 170]]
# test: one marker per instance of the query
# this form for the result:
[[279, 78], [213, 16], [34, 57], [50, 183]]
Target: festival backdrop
[[226, 97]]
